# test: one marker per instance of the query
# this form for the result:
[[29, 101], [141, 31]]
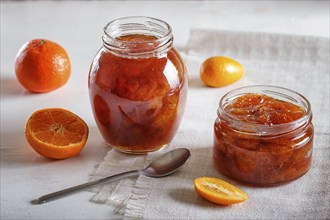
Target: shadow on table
[[11, 87], [196, 200], [16, 151], [187, 194], [196, 83]]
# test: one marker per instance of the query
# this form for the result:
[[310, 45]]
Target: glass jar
[[263, 135], [137, 85]]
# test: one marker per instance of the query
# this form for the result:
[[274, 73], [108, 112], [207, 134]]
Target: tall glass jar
[[137, 85], [263, 135]]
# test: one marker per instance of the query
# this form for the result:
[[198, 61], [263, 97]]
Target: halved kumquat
[[218, 191], [56, 133]]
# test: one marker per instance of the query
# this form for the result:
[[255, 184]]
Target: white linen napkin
[[300, 63]]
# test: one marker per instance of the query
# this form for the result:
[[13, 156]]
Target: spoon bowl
[[160, 167], [167, 163]]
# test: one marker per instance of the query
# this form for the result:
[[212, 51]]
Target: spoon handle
[[64, 192]]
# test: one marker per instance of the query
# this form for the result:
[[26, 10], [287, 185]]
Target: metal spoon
[[162, 166]]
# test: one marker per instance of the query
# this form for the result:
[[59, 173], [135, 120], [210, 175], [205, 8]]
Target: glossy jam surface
[[263, 109], [138, 102], [262, 160]]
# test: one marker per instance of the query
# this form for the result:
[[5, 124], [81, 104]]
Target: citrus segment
[[219, 71], [218, 191], [56, 133]]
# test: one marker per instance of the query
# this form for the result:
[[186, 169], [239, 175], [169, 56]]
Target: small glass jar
[[263, 154], [137, 85]]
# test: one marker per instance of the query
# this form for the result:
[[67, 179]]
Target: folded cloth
[[300, 63]]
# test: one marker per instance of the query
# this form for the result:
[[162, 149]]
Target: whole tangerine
[[42, 66]]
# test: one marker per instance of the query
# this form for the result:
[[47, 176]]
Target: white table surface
[[77, 26]]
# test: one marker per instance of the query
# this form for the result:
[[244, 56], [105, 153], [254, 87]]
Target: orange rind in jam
[[263, 109]]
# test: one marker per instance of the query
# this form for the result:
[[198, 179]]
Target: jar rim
[[146, 18], [262, 129], [141, 25]]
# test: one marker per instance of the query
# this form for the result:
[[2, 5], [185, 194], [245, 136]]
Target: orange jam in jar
[[263, 135], [138, 85]]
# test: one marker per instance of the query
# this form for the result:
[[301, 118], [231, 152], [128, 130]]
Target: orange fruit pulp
[[219, 71], [42, 66], [56, 133], [218, 191]]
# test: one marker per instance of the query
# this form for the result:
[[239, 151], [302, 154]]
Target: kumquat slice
[[218, 191]]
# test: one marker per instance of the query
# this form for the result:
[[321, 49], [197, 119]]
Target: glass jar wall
[[263, 135], [138, 85]]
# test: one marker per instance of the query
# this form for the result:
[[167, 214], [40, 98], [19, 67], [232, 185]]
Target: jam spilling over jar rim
[[276, 92]]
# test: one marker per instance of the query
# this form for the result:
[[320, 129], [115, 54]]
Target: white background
[[78, 27]]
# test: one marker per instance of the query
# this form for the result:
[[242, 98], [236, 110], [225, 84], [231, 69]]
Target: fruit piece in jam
[[257, 159], [263, 109]]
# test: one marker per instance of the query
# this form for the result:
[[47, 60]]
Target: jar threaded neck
[[157, 46], [262, 129]]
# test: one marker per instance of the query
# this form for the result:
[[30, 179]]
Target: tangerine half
[[56, 133]]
